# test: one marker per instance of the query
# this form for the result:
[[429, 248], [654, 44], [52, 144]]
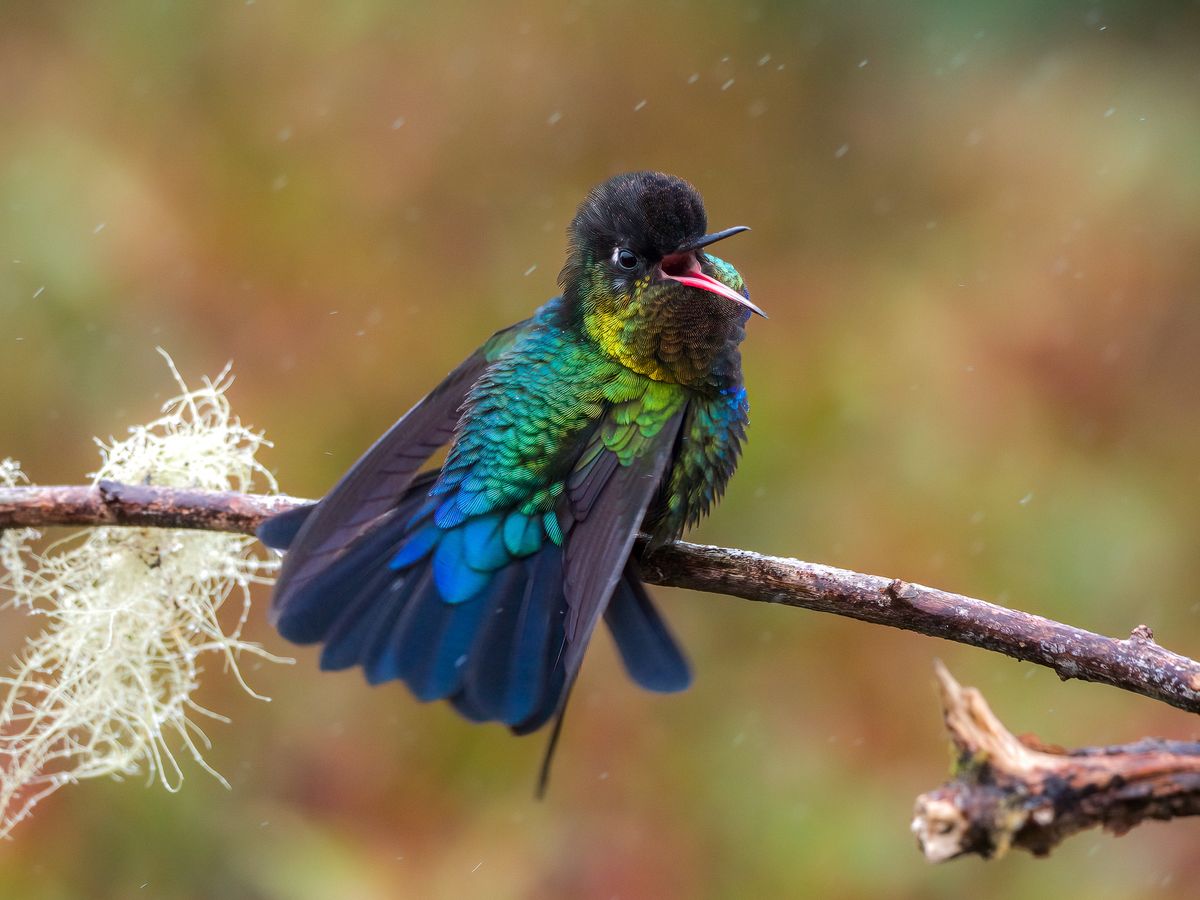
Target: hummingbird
[[618, 407]]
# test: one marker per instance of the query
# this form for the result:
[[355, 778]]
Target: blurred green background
[[977, 233]]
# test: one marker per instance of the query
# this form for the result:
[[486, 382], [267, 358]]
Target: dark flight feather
[[372, 485], [599, 543]]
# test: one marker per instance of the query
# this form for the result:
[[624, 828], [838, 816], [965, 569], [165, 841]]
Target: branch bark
[[1011, 791], [1135, 664]]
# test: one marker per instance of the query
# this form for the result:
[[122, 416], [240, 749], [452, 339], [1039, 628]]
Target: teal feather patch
[[483, 543], [522, 534]]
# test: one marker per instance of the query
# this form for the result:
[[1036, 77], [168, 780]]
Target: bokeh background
[[977, 233]]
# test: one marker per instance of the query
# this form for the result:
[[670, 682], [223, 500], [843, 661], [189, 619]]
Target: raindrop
[[554, 118], [727, 85], [639, 106], [841, 151]]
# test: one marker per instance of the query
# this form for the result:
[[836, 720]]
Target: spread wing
[[375, 483]]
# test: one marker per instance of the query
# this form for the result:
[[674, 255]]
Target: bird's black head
[[649, 213], [637, 277], [638, 226]]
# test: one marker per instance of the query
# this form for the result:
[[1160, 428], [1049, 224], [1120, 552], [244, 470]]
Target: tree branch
[[113, 503], [1015, 792], [1136, 664]]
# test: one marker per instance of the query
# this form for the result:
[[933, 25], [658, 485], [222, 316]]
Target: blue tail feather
[[355, 628], [651, 656]]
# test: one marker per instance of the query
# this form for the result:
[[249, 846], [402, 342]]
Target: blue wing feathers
[[384, 660], [357, 627]]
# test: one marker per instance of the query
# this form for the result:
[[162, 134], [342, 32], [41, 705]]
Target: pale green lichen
[[131, 614]]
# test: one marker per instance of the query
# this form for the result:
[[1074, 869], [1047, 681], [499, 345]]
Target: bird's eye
[[626, 259]]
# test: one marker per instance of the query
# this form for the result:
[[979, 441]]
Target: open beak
[[684, 266]]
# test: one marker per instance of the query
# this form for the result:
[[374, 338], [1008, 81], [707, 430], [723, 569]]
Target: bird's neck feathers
[[664, 331]]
